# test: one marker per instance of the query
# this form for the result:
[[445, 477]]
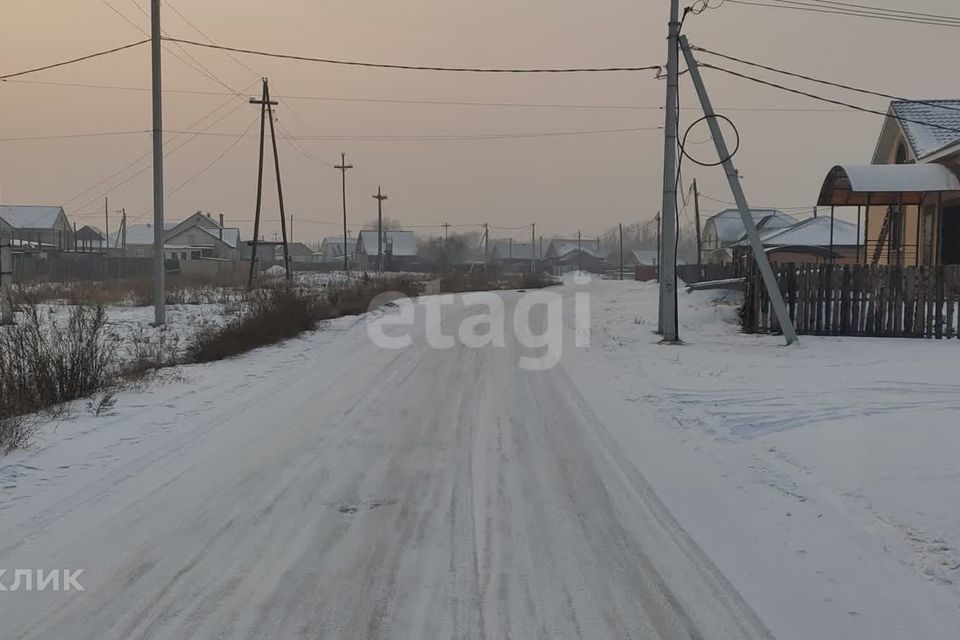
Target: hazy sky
[[563, 184]]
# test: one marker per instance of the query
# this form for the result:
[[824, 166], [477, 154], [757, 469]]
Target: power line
[[137, 160], [353, 63], [203, 170], [888, 10], [828, 100], [209, 39], [442, 138], [74, 60], [68, 136], [458, 103], [828, 83], [814, 8]]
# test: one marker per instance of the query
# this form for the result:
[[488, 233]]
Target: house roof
[[505, 250], [851, 185], [229, 236], [90, 232], [138, 234], [929, 125], [813, 232], [730, 229], [647, 257], [30, 216], [404, 242], [296, 249]]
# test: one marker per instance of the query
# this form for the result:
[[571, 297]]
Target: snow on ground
[[820, 479], [835, 464]]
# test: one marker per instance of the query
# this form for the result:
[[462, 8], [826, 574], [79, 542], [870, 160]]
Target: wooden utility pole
[[380, 198], [486, 246], [159, 266], [291, 228], [256, 219], [446, 254], [266, 109], [579, 253], [106, 217], [621, 251], [533, 247], [343, 166], [696, 212]]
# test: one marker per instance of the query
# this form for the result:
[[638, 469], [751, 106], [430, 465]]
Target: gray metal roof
[[30, 216], [925, 139], [729, 225]]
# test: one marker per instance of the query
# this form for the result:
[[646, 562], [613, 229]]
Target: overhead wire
[[64, 63], [947, 21], [828, 100], [407, 67], [838, 85]]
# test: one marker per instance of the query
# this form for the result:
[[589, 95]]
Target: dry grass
[[133, 292], [467, 282], [44, 364]]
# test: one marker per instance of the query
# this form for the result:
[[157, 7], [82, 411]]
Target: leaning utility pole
[[159, 267], [256, 218], [668, 259], [380, 198], [276, 165], [696, 211], [343, 166], [756, 244], [106, 217]]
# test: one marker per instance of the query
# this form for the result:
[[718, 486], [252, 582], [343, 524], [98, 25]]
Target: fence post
[[6, 279]]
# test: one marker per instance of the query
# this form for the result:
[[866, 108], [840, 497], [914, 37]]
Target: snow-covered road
[[329, 488]]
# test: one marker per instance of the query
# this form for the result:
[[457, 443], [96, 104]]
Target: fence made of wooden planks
[[858, 300]]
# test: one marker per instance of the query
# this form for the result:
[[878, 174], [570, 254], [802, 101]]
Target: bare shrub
[[270, 316], [149, 351], [45, 363]]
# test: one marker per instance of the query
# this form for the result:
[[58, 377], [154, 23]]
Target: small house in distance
[[399, 249], [725, 229], [565, 255], [810, 241], [46, 227], [90, 238], [332, 249]]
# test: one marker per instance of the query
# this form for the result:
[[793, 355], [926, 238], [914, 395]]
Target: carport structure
[[918, 205]]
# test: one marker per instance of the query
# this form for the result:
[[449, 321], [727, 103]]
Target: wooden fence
[[858, 300]]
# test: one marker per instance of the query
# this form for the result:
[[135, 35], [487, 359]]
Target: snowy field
[[821, 480]]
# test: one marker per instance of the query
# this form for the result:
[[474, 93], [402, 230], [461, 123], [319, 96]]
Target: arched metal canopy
[[884, 184]]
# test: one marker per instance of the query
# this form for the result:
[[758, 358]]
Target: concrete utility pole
[[159, 267], [696, 218], [6, 279], [343, 166], [380, 198], [668, 327], [759, 251]]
